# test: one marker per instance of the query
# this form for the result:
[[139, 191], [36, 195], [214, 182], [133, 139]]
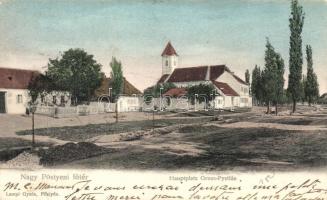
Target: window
[[19, 98], [166, 62], [54, 99], [42, 98]]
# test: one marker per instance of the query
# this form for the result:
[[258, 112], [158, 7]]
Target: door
[[2, 102]]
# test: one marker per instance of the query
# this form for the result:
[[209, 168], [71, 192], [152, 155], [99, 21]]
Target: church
[[231, 90]]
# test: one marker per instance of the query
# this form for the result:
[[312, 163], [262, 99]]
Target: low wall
[[73, 111]]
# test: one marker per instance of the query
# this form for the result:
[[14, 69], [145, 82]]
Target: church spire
[[169, 59], [169, 50]]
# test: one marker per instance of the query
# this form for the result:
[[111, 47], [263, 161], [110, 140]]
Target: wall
[[11, 99], [128, 103], [233, 83], [171, 64], [13, 107]]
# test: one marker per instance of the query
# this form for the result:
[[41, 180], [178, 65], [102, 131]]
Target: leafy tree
[[39, 85], [76, 72], [201, 92], [295, 59], [117, 77], [311, 86], [279, 90], [273, 77], [256, 84], [269, 75], [247, 76], [154, 91]]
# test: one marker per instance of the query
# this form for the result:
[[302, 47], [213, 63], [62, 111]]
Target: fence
[[73, 111]]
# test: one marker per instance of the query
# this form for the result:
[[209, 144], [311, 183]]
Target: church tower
[[169, 59]]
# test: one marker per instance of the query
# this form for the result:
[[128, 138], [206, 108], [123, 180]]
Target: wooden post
[[116, 110], [33, 133], [153, 121]]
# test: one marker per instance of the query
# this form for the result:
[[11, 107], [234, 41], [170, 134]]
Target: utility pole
[[153, 120]]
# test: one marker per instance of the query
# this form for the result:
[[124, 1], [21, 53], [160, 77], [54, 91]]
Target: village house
[[231, 91], [14, 97], [129, 99]]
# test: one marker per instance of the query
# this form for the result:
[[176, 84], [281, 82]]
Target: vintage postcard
[[163, 99]]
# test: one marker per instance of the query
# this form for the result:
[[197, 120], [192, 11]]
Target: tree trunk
[[268, 107], [294, 106], [276, 107], [309, 101]]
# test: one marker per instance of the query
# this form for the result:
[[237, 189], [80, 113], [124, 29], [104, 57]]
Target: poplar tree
[[273, 77], [117, 77], [296, 21], [269, 75], [247, 76], [311, 87], [256, 85], [279, 90]]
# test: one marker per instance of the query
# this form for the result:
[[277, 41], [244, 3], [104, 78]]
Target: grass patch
[[11, 147], [69, 152], [82, 133]]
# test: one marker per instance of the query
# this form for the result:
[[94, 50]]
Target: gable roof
[[217, 70], [225, 88], [239, 79], [199, 73], [163, 78], [128, 88], [11, 78], [188, 74], [175, 92], [169, 50]]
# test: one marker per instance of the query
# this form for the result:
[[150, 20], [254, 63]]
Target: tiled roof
[[225, 88], [175, 92], [169, 50], [188, 74], [163, 78], [217, 70], [128, 88], [16, 78], [239, 79]]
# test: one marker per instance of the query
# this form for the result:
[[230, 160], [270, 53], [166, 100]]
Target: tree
[[273, 77], [76, 72], [311, 87], [117, 77], [269, 75], [156, 90], [247, 76], [296, 22], [201, 92], [39, 85], [279, 90], [256, 86]]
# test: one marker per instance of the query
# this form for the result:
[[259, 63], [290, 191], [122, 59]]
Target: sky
[[203, 32]]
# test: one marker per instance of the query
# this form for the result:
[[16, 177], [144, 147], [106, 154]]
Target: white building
[[14, 97], [232, 91]]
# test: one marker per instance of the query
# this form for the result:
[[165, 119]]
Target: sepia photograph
[[212, 85]]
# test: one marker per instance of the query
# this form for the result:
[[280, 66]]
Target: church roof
[[169, 50], [188, 74], [163, 78], [225, 88], [200, 73], [16, 78]]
